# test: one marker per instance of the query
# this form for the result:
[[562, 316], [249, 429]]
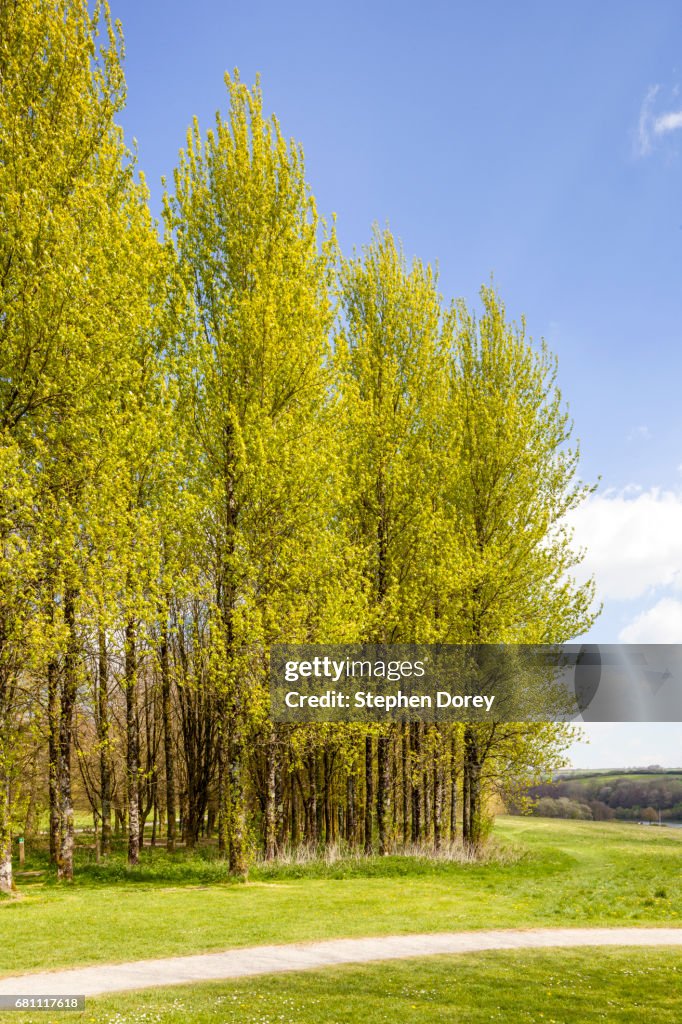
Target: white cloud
[[668, 122], [661, 624], [651, 125], [632, 540]]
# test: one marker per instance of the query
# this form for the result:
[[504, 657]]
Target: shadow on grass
[[203, 866]]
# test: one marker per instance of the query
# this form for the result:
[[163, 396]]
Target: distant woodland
[[635, 796]]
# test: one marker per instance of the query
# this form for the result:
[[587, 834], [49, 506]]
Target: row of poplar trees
[[220, 433]]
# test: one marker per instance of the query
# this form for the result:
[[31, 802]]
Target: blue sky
[[539, 143]]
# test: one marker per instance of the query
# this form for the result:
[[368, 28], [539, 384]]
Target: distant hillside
[[645, 794], [581, 773]]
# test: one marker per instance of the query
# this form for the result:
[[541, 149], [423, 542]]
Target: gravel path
[[240, 963]]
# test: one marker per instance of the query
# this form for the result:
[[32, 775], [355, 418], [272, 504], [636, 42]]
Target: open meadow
[[542, 873], [545, 872]]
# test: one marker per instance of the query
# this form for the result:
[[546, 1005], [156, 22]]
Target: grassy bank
[[549, 873]]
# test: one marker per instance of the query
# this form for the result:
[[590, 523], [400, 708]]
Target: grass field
[[559, 987], [612, 777], [552, 872]]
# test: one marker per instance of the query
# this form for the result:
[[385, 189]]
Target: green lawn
[[557, 873], [619, 986]]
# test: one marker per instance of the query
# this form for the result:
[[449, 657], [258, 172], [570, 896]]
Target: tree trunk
[[311, 823], [427, 782], [69, 690], [350, 809], [280, 794], [395, 782], [319, 819], [234, 818], [453, 787], [133, 744], [426, 801], [472, 811], [466, 787], [383, 792], [223, 802], [369, 792], [6, 880], [166, 712], [327, 799], [405, 761], [271, 796], [475, 797], [415, 729], [237, 815], [53, 717], [437, 803], [293, 813], [103, 738]]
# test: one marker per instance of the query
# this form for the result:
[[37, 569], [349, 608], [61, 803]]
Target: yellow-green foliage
[[232, 436]]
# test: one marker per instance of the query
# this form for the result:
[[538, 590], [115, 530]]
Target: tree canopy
[[220, 433]]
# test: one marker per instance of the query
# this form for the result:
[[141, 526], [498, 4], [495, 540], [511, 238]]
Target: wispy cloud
[[652, 125], [646, 118]]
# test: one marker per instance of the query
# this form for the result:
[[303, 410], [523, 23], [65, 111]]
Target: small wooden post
[[21, 851]]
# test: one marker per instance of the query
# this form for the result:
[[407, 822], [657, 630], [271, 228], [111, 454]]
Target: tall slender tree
[[390, 375], [247, 237], [512, 485], [63, 172]]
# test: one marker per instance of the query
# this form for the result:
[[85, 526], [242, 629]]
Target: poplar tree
[[57, 100], [513, 483], [390, 366], [257, 276], [75, 273]]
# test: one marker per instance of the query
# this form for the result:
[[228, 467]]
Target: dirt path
[[240, 963]]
